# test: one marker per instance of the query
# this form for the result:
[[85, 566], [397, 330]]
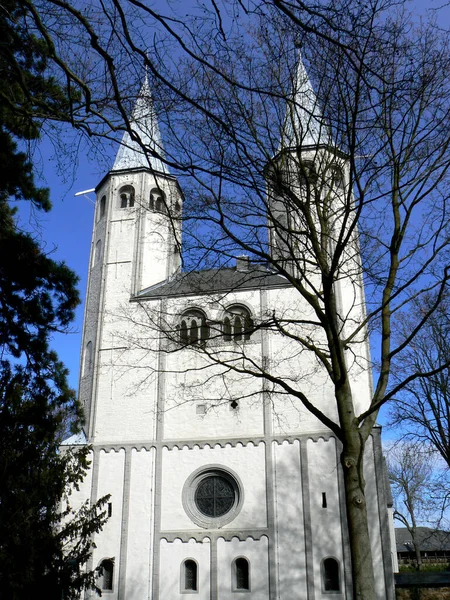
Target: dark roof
[[430, 540], [422, 579], [216, 280]]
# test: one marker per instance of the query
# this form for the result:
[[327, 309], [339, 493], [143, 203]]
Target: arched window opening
[[193, 332], [184, 337], [106, 574], [157, 200], [87, 365], [102, 207], [237, 324], [336, 177], [98, 252], [237, 328], [126, 196], [241, 574], [190, 583], [308, 173], [330, 574], [193, 328], [227, 329], [177, 207]]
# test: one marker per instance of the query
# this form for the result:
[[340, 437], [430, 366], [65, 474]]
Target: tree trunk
[[360, 548]]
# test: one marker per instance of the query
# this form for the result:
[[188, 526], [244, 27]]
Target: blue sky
[[65, 232]]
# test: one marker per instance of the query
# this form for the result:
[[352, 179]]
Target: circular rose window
[[212, 497]]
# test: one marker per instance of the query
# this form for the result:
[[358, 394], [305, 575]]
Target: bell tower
[[306, 181], [136, 240]]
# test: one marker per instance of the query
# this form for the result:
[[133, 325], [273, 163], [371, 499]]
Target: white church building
[[221, 488]]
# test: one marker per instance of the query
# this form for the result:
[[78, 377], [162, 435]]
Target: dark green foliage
[[39, 557]]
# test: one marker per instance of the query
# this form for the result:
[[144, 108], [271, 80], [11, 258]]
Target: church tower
[[221, 487], [136, 241]]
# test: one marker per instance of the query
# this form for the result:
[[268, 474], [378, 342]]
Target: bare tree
[[422, 410], [302, 181], [416, 488]]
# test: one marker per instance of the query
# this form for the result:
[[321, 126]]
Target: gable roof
[[209, 281]]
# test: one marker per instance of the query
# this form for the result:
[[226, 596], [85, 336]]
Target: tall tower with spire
[[136, 243], [215, 492]]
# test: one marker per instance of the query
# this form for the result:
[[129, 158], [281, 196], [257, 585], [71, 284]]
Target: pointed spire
[[304, 124], [145, 124]]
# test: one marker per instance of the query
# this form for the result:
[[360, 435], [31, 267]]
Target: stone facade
[[220, 488]]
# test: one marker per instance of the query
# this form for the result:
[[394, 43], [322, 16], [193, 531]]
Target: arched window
[[237, 324], [330, 575], [106, 574], [189, 574], [227, 329], [102, 207], [98, 252], [87, 364], [335, 177], [241, 574], [157, 200], [126, 194], [193, 327], [307, 172]]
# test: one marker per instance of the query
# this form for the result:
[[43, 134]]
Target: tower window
[[98, 252], [158, 201], [241, 575], [237, 324], [102, 208], [106, 574], [190, 576], [126, 195], [330, 575], [87, 363], [336, 177], [193, 327]]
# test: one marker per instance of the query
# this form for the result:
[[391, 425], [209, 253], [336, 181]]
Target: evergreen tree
[[38, 295]]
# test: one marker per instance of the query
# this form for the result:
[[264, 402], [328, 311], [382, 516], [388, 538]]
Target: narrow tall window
[[102, 208], [190, 583], [227, 329], [241, 573], [330, 574], [98, 252], [87, 366], [106, 573]]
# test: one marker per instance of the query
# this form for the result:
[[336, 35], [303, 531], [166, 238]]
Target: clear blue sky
[[65, 232]]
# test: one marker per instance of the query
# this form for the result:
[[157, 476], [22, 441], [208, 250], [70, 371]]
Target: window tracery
[[193, 327], [237, 324]]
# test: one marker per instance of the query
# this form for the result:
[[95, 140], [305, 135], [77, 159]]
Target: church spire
[[304, 124], [145, 124]]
